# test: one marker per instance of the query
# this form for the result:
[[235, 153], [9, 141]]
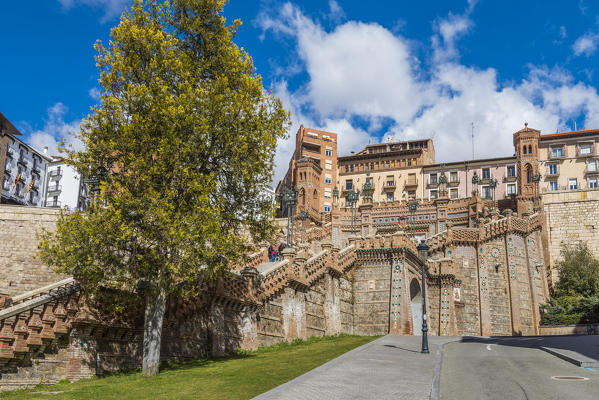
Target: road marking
[[489, 347], [569, 378]]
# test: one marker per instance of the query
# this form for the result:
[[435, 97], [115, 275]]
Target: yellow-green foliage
[[188, 134]]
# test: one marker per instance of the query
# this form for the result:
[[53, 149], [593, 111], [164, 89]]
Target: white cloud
[[95, 93], [111, 8], [360, 71], [55, 129], [586, 44], [336, 12], [562, 32]]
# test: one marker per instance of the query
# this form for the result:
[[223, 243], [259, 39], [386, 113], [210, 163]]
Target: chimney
[[46, 150]]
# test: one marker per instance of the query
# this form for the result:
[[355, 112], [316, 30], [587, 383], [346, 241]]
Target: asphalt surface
[[511, 368], [391, 367]]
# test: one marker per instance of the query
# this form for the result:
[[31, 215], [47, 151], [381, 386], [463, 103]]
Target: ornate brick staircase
[[32, 328]]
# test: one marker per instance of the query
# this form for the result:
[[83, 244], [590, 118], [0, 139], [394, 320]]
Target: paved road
[[510, 368], [391, 367]]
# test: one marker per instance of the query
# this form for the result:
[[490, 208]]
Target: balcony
[[453, 182], [389, 186], [433, 183], [8, 170], [585, 152], [10, 153], [55, 173], [22, 161], [509, 178], [36, 168], [53, 203], [410, 183], [552, 174], [588, 170], [54, 188]]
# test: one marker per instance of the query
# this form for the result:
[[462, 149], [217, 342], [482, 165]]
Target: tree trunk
[[155, 309]]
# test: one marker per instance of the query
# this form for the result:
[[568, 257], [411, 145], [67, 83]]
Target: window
[[573, 184], [434, 194], [511, 170], [32, 196], [390, 196], [19, 189], [529, 149], [453, 193], [528, 174], [453, 176], [557, 152], [369, 180], [553, 186], [328, 152], [592, 166], [486, 173], [524, 149], [486, 192], [585, 148], [552, 169], [328, 179], [433, 179], [6, 183], [327, 207], [328, 164], [349, 184], [347, 168], [409, 163], [327, 192], [511, 189], [411, 193], [593, 183], [388, 164], [351, 168]]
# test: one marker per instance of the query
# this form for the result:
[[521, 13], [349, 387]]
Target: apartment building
[[312, 171], [501, 172], [394, 170], [23, 168], [565, 161], [64, 187]]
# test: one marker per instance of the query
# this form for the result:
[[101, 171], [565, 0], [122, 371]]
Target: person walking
[[271, 251]]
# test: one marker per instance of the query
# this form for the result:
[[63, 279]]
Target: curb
[[437, 374], [578, 363]]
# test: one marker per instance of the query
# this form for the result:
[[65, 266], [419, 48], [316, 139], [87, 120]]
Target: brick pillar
[[20, 330], [7, 337], [249, 322], [483, 290], [48, 321], [514, 291]]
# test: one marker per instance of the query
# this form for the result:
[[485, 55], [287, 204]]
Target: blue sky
[[369, 71]]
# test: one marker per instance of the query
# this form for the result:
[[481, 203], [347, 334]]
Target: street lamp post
[[475, 181], [423, 252], [352, 198], [290, 199], [493, 185], [412, 207]]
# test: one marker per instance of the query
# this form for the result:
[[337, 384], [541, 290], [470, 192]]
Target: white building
[[24, 172], [64, 186]]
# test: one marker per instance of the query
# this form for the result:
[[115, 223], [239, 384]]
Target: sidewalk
[[580, 350], [391, 367]]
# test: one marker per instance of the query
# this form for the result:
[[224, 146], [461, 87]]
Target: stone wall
[[20, 269], [571, 217], [371, 298]]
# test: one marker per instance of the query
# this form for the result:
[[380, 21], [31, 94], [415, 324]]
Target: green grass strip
[[239, 376]]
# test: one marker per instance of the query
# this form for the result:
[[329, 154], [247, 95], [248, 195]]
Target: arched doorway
[[416, 306]]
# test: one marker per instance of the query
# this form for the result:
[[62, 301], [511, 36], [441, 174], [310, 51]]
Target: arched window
[[529, 149], [524, 149], [303, 196], [528, 174]]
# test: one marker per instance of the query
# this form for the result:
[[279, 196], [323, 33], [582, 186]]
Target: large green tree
[[183, 145], [576, 296]]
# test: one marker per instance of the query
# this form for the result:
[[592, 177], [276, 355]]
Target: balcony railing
[[10, 153], [552, 173], [53, 203], [54, 188], [389, 185], [510, 178], [591, 170], [556, 155], [55, 172], [453, 182], [22, 161]]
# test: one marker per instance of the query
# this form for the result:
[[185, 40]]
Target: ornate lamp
[[423, 253]]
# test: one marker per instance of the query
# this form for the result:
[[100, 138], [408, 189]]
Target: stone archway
[[416, 307]]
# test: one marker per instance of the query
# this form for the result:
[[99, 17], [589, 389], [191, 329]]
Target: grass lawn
[[235, 377]]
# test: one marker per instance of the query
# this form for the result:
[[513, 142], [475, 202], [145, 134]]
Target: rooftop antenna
[[472, 125]]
